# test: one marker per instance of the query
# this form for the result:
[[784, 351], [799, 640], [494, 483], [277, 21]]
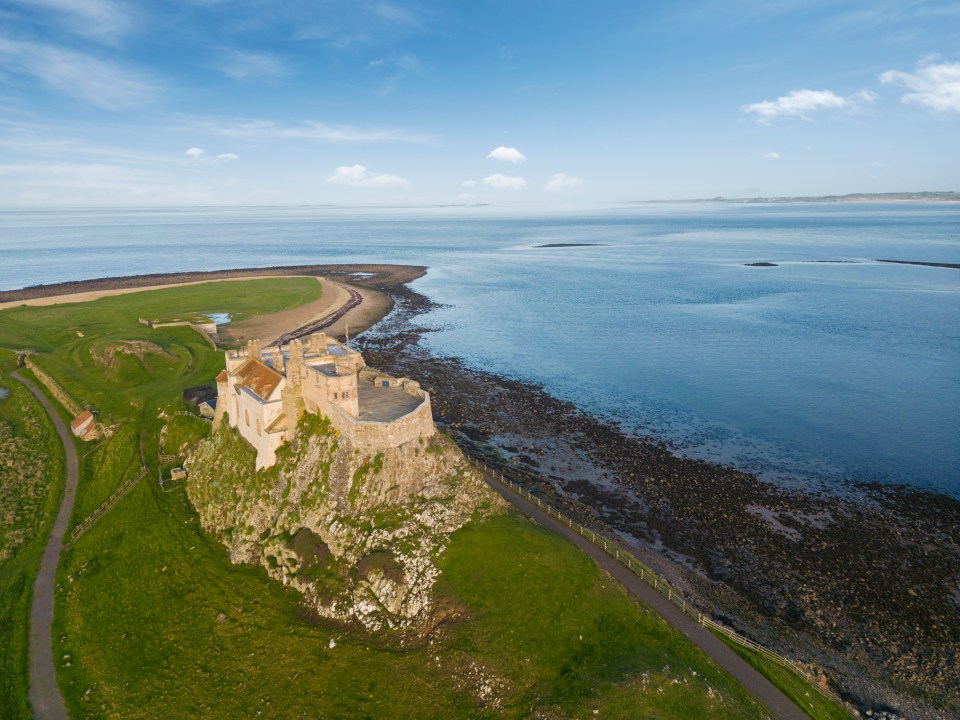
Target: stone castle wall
[[375, 436]]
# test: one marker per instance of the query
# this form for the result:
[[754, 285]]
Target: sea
[[827, 368]]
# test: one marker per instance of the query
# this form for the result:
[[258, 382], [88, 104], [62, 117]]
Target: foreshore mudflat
[[862, 580]]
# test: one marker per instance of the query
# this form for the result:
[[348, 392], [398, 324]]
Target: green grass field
[[795, 687], [31, 484], [153, 620]]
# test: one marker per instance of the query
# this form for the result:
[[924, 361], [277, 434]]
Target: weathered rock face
[[357, 533]]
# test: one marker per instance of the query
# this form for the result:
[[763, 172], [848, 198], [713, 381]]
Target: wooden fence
[[119, 493], [659, 584]]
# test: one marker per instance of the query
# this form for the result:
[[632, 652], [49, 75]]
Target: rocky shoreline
[[862, 583]]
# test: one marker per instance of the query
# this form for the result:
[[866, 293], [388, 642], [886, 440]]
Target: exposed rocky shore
[[862, 582]]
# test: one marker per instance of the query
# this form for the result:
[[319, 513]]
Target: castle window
[[246, 417]]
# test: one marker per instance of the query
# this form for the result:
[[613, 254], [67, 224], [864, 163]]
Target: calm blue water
[[806, 370]]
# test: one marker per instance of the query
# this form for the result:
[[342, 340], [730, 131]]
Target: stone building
[[264, 392]]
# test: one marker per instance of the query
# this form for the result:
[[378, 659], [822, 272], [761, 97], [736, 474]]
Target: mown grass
[[31, 485], [153, 620], [795, 687]]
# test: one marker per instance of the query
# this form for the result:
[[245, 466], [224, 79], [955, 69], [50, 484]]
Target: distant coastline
[[948, 196]]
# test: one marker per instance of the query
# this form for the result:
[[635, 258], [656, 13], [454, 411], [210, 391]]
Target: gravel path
[[778, 704], [45, 697]]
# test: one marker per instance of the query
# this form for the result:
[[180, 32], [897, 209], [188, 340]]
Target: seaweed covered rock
[[357, 533]]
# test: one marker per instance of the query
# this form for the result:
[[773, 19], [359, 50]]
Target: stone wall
[[375, 436], [71, 405]]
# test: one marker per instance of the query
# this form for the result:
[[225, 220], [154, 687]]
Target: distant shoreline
[[900, 198], [374, 275]]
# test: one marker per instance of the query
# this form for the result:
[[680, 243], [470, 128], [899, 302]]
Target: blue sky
[[517, 103]]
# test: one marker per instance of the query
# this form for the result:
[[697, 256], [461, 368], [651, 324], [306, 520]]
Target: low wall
[[379, 435], [72, 406]]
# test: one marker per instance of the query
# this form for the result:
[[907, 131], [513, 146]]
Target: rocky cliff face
[[357, 533]]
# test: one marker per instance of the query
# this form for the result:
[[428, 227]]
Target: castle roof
[[222, 377], [258, 378]]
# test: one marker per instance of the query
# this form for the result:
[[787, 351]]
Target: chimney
[[295, 364], [253, 348], [278, 360]]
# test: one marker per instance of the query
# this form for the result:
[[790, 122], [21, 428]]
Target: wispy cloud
[[359, 176], [561, 182], [102, 20], [200, 157], [771, 155], [355, 23], [932, 85], [507, 154], [245, 65], [499, 181], [803, 103], [99, 82], [312, 130]]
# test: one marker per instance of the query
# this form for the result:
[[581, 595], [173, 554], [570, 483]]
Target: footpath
[[45, 697], [778, 704]]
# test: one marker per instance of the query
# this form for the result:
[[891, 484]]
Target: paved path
[[778, 704], [45, 697]]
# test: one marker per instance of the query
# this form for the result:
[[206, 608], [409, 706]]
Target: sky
[[519, 103]]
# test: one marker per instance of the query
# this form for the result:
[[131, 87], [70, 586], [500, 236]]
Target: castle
[[264, 393]]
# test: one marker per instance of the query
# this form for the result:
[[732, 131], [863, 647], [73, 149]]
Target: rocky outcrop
[[357, 533]]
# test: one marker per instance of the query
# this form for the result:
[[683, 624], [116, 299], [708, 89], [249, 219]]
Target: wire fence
[[657, 583]]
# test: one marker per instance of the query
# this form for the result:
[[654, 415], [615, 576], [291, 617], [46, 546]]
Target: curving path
[[45, 697], [776, 703]]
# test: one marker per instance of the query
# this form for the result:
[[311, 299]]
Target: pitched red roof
[[82, 419], [222, 377], [258, 378]]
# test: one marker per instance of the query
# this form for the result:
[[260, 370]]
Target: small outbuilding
[[84, 425]]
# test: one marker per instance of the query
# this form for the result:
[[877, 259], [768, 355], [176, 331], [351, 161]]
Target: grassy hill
[[153, 620]]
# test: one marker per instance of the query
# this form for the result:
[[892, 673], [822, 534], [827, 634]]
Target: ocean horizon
[[825, 368]]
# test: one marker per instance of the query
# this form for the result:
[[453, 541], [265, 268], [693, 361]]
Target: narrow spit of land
[[45, 697]]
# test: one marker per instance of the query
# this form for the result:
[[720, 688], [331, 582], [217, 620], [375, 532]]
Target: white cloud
[[560, 182], [468, 183], [359, 176], [85, 78], [507, 154], [933, 85], [500, 181], [802, 103], [771, 155], [311, 130], [199, 156], [103, 20], [243, 65]]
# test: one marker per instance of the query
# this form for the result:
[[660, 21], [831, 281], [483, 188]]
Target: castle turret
[[221, 400], [292, 394], [277, 360], [318, 343]]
